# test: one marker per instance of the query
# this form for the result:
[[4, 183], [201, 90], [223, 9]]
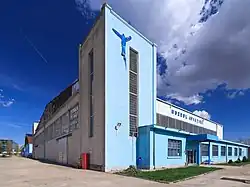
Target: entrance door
[[191, 156], [62, 150]]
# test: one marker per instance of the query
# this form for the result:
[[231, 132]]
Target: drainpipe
[[153, 100], [154, 148], [226, 154]]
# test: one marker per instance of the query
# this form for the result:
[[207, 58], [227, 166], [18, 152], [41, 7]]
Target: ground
[[21, 172]]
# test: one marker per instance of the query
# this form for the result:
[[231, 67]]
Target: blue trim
[[154, 148], [153, 100], [198, 152], [209, 153], [203, 138], [153, 91], [174, 157]]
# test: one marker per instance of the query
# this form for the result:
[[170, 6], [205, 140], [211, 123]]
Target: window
[[204, 149], [223, 151], [46, 138], [58, 127], [215, 150], [240, 152], [65, 123], [235, 152], [91, 95], [174, 147], [133, 92], [73, 118], [230, 151]]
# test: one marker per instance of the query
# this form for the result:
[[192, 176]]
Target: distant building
[[113, 114], [8, 146], [28, 146], [34, 127]]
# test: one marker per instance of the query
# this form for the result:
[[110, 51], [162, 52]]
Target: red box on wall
[[85, 160]]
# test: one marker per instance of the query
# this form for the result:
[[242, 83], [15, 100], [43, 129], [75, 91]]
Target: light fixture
[[118, 125]]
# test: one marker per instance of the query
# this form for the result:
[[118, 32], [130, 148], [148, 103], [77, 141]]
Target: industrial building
[[28, 146], [112, 111]]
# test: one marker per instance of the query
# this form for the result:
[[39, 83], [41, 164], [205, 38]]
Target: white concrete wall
[[52, 148], [74, 148], [72, 101], [93, 145], [34, 127], [220, 131], [166, 109]]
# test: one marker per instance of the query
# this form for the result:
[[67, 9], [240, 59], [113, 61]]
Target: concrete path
[[21, 172]]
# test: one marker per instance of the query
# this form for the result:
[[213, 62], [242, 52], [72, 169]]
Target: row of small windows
[[63, 125], [174, 112], [223, 152], [169, 122]]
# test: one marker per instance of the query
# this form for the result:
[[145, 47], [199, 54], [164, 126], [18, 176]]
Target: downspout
[[79, 104], [153, 100], [226, 153], [154, 148]]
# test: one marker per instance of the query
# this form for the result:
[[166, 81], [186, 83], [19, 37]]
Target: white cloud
[[195, 99], [235, 93], [202, 113], [199, 56], [4, 102]]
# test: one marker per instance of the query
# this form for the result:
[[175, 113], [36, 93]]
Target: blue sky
[[28, 82]]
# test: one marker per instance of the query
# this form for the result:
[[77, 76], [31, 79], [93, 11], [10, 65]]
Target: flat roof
[[166, 102], [196, 137]]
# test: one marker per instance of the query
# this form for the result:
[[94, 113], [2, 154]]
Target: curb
[[247, 181]]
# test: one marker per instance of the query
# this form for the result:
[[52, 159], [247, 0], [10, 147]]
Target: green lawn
[[168, 175]]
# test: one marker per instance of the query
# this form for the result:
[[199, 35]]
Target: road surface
[[22, 172]]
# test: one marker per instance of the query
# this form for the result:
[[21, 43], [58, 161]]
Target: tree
[[9, 147], [1, 146]]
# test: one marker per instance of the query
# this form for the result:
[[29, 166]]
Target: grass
[[168, 175]]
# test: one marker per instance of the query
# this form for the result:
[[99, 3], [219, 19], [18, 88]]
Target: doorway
[[191, 156]]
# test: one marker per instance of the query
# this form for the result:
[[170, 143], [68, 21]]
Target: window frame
[[230, 151], [221, 150], [176, 147], [215, 151], [240, 151], [235, 151], [203, 150]]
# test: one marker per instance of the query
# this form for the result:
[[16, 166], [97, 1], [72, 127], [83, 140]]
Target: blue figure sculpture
[[124, 40]]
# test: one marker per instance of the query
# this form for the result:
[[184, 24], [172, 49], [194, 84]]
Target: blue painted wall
[[222, 159], [120, 149], [28, 150], [143, 148], [161, 149], [156, 154]]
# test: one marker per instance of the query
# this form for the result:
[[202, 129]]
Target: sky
[[203, 54]]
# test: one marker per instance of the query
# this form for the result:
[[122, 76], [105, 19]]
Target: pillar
[[198, 152], [209, 153]]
